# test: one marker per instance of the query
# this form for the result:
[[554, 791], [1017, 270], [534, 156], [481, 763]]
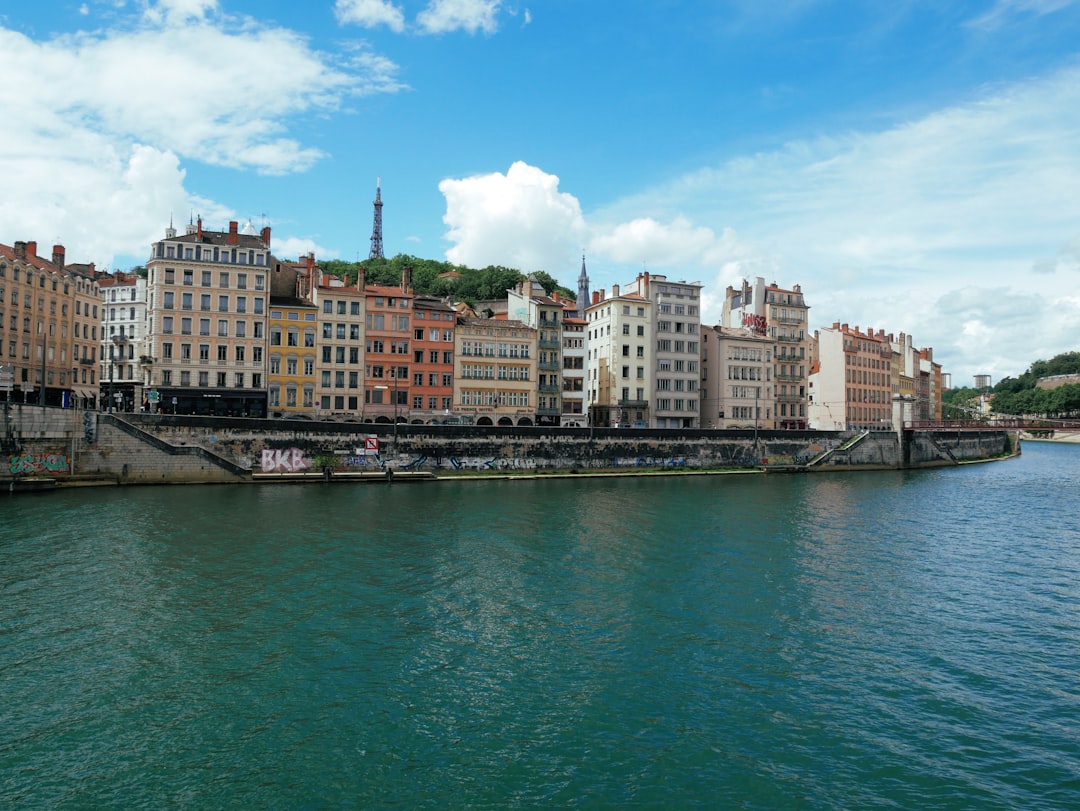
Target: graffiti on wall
[[39, 463], [284, 460]]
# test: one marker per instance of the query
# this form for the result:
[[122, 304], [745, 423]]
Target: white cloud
[[97, 125], [444, 16], [1004, 10], [370, 13], [961, 229], [519, 220], [178, 12], [295, 247]]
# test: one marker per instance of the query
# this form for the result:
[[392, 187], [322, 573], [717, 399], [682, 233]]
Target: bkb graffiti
[[284, 460]]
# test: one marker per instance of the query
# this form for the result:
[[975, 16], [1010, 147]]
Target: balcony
[[552, 365], [633, 403], [785, 397], [546, 344], [548, 388], [790, 339]]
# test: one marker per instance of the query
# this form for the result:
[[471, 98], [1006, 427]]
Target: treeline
[[468, 284], [1020, 396]]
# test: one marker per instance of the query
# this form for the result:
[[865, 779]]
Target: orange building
[[388, 335], [432, 390]]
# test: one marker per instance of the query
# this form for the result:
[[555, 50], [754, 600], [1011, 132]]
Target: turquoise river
[[903, 640]]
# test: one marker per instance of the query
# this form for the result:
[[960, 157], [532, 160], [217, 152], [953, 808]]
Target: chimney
[[234, 233], [31, 248], [836, 325], [596, 296], [406, 279], [58, 256], [266, 236], [20, 250], [198, 227], [614, 291], [645, 293]]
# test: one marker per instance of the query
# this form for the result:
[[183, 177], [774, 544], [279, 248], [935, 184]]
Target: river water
[[860, 640]]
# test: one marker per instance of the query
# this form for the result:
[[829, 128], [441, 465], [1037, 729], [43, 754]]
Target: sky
[[913, 165]]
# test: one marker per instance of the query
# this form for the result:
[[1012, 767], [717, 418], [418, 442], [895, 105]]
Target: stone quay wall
[[143, 448]]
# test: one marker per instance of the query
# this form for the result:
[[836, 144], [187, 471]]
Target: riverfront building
[[432, 390], [49, 327], [737, 386], [573, 368], [495, 371], [851, 384], [529, 304], [293, 335], [388, 332], [676, 352], [781, 314], [207, 295], [124, 352], [619, 371]]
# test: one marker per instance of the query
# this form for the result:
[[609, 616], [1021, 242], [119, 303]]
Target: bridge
[[998, 423]]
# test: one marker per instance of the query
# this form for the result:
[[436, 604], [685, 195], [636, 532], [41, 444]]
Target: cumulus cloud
[[947, 228], [99, 124], [370, 13], [518, 219], [443, 16]]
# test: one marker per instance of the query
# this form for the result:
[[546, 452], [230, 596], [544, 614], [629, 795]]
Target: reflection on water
[[840, 640]]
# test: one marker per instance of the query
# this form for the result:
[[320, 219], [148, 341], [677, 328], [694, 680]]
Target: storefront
[[211, 402]]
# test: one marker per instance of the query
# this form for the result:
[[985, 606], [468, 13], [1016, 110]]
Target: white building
[[619, 371], [676, 350], [124, 350]]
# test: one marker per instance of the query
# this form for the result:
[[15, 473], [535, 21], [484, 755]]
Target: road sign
[[153, 396], [371, 444]]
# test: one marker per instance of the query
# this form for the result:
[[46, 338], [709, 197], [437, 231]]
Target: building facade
[[49, 328], [432, 390], [495, 372], [207, 296], [737, 386], [619, 364], [676, 356], [123, 349], [530, 304], [782, 314], [387, 346]]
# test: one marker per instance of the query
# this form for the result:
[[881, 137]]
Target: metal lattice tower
[[376, 229]]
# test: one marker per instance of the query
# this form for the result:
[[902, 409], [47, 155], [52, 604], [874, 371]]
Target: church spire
[[376, 229], [582, 289]]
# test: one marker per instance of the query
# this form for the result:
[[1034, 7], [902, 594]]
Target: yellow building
[[292, 354]]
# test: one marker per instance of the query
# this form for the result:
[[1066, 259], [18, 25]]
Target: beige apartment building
[[737, 386], [495, 371], [781, 314], [529, 304], [207, 297]]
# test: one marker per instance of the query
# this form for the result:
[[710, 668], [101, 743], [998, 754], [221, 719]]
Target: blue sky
[[914, 165]]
